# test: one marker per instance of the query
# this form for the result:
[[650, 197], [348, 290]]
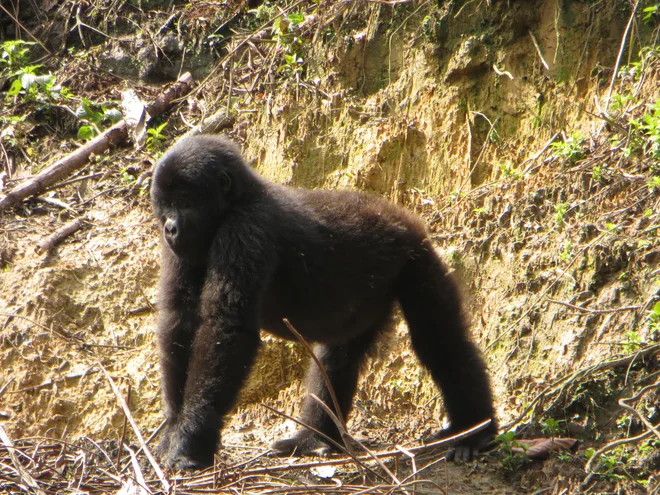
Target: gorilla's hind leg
[[342, 365]]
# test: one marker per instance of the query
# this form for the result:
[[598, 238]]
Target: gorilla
[[242, 254]]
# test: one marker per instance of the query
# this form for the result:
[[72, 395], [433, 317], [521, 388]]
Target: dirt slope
[[497, 123]]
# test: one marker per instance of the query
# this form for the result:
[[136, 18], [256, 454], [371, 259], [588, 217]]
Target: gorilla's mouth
[[189, 251]]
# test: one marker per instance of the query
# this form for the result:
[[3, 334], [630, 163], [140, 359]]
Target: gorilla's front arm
[[180, 290], [224, 345]]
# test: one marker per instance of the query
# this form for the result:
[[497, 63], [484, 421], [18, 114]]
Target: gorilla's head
[[194, 185]]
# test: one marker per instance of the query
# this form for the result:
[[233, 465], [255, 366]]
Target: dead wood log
[[215, 123], [76, 160], [59, 235]]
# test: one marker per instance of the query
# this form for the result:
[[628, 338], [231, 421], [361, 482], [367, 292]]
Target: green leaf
[[15, 88], [86, 132], [296, 18]]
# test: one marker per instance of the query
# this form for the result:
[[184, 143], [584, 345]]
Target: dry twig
[[59, 235]]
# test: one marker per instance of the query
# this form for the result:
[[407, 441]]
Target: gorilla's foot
[[468, 448], [303, 443]]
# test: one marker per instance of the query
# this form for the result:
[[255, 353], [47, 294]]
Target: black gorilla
[[242, 253]]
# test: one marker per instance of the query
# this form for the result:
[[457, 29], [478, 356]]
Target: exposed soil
[[446, 110]]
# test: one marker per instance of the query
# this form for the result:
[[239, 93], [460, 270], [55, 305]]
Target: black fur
[[241, 253]]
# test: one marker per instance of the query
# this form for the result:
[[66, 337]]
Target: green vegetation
[[571, 149], [560, 211], [552, 427], [156, 137], [31, 87], [511, 460], [93, 117]]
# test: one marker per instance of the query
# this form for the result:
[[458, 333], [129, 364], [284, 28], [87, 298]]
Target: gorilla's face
[[189, 203]]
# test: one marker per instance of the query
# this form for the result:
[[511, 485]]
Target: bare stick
[[116, 134], [595, 311], [218, 121], [618, 58], [538, 50], [123, 430], [177, 90], [65, 167], [561, 383], [59, 235], [326, 378], [22, 473], [136, 430], [344, 432], [390, 453], [340, 447]]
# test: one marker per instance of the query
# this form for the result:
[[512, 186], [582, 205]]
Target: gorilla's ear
[[225, 182]]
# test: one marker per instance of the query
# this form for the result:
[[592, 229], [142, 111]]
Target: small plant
[[429, 27], [570, 150], [653, 183], [597, 173], [552, 427], [156, 137], [26, 83], [633, 341], [14, 55], [126, 176], [292, 66], [651, 14], [286, 31], [560, 211], [619, 102], [511, 460], [32, 87], [454, 258], [654, 318], [645, 132], [567, 251], [480, 212], [455, 196], [94, 116], [508, 172]]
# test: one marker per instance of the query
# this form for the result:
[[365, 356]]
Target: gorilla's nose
[[171, 230]]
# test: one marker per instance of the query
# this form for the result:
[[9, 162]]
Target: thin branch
[[538, 49], [595, 311], [326, 378], [136, 430], [59, 235], [618, 58]]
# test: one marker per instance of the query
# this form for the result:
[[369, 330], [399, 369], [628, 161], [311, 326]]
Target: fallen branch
[[59, 235], [122, 403], [118, 133], [26, 478], [595, 311], [210, 125], [65, 167], [367, 458]]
